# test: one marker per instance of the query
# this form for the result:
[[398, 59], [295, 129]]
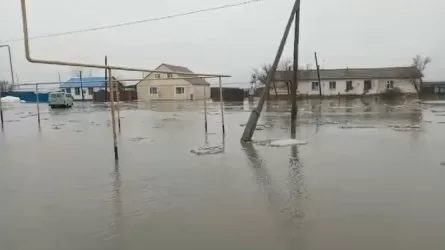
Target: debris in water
[[286, 143], [427, 121], [442, 163], [169, 119], [405, 129], [12, 121], [213, 113], [208, 150], [438, 111], [413, 126], [136, 139], [356, 126], [78, 131], [56, 127]]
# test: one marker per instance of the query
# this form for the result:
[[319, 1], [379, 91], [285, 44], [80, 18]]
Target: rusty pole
[[113, 118]]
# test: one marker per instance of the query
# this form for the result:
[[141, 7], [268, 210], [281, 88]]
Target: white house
[[358, 81], [157, 86]]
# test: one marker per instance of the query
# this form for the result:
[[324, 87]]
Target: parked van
[[60, 99]]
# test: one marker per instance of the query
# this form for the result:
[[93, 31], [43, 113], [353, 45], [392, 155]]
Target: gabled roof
[[180, 69], [353, 74], [87, 82]]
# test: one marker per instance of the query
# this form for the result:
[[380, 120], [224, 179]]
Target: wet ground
[[370, 177]]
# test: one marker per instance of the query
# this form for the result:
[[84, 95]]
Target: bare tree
[[259, 76], [420, 64], [5, 86]]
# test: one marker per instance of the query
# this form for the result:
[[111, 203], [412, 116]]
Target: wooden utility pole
[[294, 110], [255, 115], [318, 74], [81, 86], [113, 118], [106, 80]]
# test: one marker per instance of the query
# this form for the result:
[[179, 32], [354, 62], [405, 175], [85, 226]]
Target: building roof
[[87, 82], [180, 69], [353, 74], [434, 83]]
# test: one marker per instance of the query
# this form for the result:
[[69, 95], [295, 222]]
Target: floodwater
[[370, 177]]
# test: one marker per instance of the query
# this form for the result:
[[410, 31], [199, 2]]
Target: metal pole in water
[[318, 74], [255, 115], [106, 80], [1, 106], [118, 107], [38, 106], [294, 110], [205, 108], [113, 119], [222, 105]]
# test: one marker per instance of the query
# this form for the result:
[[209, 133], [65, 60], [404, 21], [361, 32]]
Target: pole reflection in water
[[287, 209], [116, 226], [296, 187]]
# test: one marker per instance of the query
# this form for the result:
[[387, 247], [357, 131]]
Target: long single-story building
[[157, 86], [349, 81], [88, 85]]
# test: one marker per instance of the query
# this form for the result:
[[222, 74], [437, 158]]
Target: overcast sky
[[345, 33]]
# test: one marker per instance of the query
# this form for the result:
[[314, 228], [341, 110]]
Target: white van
[[60, 99]]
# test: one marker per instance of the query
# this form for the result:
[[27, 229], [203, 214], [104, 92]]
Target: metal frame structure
[[12, 80], [106, 67]]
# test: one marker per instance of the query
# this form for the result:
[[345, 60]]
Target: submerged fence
[[27, 96]]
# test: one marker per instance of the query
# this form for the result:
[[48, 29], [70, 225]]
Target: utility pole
[[255, 115], [106, 80], [318, 74], [294, 110], [81, 85], [10, 63]]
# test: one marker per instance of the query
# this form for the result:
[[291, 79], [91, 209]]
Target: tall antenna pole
[[255, 115]]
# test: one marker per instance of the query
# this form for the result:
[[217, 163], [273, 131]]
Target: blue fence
[[27, 96]]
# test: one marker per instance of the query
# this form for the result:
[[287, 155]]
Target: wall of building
[[377, 86], [167, 88], [198, 92], [87, 94]]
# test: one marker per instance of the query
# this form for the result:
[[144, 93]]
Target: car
[[60, 99]]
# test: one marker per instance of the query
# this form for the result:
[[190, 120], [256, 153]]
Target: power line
[[137, 22]]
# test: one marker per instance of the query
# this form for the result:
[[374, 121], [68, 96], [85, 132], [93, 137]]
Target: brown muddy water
[[370, 177]]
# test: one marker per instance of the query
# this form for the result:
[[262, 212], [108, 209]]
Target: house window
[[314, 85], [180, 90], [84, 91], [332, 85], [157, 76], [169, 75], [348, 85], [68, 90], [367, 85], [153, 91], [90, 91], [390, 84], [77, 91]]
